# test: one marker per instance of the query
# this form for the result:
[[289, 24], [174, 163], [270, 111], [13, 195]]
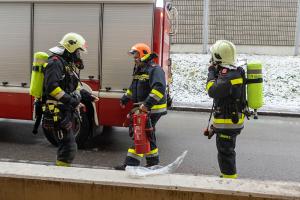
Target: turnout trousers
[[152, 158], [59, 120], [225, 141]]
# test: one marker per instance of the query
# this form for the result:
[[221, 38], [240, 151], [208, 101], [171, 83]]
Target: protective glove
[[130, 131], [213, 68], [88, 97], [124, 100], [144, 108], [212, 72]]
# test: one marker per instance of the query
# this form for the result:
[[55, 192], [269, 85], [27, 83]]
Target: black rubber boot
[[128, 161], [120, 167], [152, 161]]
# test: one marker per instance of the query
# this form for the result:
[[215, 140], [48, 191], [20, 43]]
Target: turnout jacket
[[61, 82], [148, 86], [226, 87]]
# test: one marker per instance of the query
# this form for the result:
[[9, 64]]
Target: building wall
[[245, 22], [189, 21]]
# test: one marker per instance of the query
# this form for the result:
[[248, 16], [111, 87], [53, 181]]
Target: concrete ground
[[267, 149]]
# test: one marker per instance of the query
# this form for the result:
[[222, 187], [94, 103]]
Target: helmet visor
[[134, 53], [84, 48]]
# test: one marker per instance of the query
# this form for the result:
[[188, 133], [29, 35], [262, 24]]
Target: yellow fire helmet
[[73, 41], [224, 51]]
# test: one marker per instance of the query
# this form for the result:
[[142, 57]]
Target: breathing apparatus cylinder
[[255, 85], [37, 75]]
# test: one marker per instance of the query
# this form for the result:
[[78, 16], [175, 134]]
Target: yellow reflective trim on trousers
[[134, 152], [209, 84], [234, 176], [157, 107], [56, 110], [157, 93], [128, 92], [56, 91], [236, 81], [51, 107], [225, 136], [154, 151], [55, 118], [228, 121], [62, 164]]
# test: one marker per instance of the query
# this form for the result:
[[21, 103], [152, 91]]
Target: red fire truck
[[110, 27]]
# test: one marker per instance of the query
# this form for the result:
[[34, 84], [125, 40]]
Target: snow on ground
[[281, 81]]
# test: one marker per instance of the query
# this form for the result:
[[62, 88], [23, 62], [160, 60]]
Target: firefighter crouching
[[62, 91], [225, 85], [148, 87]]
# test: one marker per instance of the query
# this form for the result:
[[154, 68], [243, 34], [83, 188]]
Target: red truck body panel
[[19, 105], [15, 105]]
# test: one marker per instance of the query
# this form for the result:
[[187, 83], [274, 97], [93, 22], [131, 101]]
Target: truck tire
[[106, 129], [83, 129]]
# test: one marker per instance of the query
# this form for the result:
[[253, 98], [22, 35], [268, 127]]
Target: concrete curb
[[32, 181], [263, 113]]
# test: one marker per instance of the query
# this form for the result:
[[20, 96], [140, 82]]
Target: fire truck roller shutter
[[15, 58], [123, 26], [53, 21]]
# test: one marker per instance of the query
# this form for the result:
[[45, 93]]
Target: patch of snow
[[281, 81]]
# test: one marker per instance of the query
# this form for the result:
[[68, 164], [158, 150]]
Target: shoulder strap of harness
[[59, 58], [244, 102]]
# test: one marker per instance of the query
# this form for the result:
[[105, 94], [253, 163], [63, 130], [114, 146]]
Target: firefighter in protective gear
[[225, 86], [148, 88], [63, 94]]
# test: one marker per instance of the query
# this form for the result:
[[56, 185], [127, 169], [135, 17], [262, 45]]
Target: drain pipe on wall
[[297, 37], [205, 27]]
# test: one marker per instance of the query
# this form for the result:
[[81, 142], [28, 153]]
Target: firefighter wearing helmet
[[63, 94], [148, 88], [225, 84]]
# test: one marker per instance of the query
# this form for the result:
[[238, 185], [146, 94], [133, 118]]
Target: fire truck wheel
[[86, 129], [106, 129]]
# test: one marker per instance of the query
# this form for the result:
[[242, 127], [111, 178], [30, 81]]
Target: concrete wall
[[244, 22], [29, 182], [241, 49]]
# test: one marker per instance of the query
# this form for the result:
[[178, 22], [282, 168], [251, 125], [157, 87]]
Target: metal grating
[[190, 21]]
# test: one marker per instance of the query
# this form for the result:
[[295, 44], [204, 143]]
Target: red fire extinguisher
[[141, 141]]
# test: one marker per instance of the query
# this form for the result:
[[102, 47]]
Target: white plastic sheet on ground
[[138, 171]]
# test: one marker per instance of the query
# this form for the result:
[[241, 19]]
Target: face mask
[[79, 64], [77, 60]]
